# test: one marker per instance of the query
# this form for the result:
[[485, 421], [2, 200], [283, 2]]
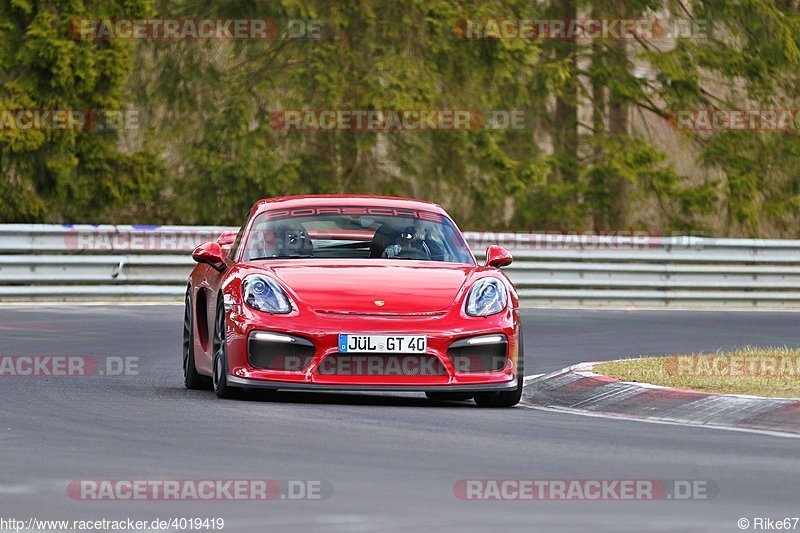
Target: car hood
[[382, 287]]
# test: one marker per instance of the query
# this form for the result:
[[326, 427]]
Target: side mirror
[[226, 238], [210, 253], [497, 256]]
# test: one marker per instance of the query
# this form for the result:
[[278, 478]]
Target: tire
[[219, 365], [191, 378], [506, 398], [449, 396]]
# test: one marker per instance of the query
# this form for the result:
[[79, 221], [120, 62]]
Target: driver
[[285, 239], [406, 243]]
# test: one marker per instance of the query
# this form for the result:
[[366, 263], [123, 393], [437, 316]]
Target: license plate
[[350, 343]]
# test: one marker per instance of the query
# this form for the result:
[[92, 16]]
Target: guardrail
[[52, 262]]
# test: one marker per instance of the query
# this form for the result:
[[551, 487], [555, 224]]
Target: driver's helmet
[[405, 240], [286, 239]]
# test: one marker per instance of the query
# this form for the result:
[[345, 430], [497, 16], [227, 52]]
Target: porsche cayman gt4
[[356, 293]]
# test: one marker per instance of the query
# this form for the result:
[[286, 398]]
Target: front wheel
[[506, 398], [220, 363]]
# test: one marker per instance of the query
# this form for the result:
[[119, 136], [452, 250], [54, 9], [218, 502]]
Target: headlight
[[486, 297], [262, 293]]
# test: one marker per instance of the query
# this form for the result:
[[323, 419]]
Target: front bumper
[[322, 331], [328, 387]]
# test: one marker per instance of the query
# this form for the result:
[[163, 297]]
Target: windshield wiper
[[289, 256]]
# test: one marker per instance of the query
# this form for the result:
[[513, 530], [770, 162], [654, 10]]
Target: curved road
[[392, 460]]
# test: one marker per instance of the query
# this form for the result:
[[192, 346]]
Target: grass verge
[[773, 371]]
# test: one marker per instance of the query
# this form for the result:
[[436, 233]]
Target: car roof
[[350, 200]]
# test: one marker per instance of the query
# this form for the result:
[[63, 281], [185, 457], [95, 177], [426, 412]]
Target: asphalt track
[[392, 460]]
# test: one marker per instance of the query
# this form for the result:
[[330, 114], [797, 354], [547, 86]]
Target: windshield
[[355, 232]]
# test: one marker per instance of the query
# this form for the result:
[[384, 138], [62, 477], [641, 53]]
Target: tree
[[66, 174]]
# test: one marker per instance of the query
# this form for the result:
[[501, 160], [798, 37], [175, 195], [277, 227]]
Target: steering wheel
[[413, 254]]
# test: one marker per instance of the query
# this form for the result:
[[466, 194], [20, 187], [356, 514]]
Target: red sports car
[[358, 293]]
